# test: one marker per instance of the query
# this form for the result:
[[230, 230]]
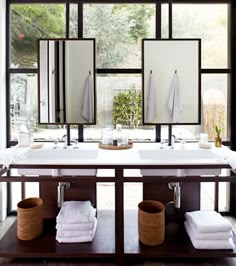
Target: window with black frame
[[118, 29]]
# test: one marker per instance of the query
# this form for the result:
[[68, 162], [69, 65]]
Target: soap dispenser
[[24, 137]]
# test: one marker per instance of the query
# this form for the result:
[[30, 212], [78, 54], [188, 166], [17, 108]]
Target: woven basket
[[151, 222], [29, 218]]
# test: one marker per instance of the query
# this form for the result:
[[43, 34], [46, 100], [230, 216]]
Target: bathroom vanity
[[116, 238]]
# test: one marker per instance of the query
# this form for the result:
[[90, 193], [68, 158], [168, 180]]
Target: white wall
[[2, 99]]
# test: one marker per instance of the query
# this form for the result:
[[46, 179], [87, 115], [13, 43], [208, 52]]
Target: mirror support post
[[169, 135], [68, 134]]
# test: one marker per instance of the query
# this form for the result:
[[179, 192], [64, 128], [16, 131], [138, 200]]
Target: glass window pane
[[73, 21], [208, 22], [29, 22], [118, 29], [165, 21], [214, 104], [119, 102], [24, 109]]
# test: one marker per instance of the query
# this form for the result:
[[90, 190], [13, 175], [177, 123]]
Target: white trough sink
[[64, 156], [181, 157]]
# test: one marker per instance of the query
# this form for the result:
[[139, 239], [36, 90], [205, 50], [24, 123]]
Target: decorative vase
[[218, 141]]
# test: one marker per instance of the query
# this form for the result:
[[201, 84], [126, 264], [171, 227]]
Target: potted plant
[[218, 140]]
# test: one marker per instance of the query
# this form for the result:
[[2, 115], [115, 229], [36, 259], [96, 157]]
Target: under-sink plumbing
[[60, 192], [177, 193]]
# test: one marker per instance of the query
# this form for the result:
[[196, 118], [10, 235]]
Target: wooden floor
[[57, 262]]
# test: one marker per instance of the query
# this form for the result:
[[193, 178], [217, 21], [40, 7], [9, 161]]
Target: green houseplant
[[218, 141]]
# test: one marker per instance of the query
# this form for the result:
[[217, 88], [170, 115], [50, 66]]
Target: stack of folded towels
[[209, 230], [76, 222]]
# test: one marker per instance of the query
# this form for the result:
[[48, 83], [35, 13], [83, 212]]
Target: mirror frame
[[198, 122], [94, 79]]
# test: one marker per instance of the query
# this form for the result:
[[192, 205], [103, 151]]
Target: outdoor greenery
[[127, 108], [30, 22]]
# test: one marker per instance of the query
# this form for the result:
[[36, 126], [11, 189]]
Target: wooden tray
[[111, 147]]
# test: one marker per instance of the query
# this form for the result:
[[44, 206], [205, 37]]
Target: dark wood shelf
[[176, 244], [46, 245]]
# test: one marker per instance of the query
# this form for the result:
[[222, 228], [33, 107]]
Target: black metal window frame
[[80, 4]]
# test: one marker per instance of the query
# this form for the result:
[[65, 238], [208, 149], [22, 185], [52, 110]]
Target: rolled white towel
[[208, 221], [209, 244], [77, 239], [76, 212], [208, 236], [73, 233]]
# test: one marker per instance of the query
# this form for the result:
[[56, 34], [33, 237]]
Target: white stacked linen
[[76, 222], [209, 230]]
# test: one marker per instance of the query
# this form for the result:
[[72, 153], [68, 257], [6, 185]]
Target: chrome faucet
[[173, 139], [65, 141]]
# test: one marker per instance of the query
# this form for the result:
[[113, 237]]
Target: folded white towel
[[73, 233], [76, 227], [77, 239], [174, 103], [208, 221], [151, 109], [209, 244], [208, 236], [76, 212]]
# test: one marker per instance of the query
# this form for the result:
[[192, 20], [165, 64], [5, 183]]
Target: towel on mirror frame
[[208, 236], [209, 244], [73, 233], [208, 221], [174, 103], [74, 212], [88, 100], [77, 239], [151, 108]]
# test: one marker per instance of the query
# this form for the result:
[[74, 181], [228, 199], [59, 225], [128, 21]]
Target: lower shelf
[[176, 244], [46, 246]]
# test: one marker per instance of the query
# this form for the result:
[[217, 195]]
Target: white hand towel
[[174, 104], [208, 221], [151, 110], [208, 236], [76, 212], [73, 233], [75, 227], [88, 101], [77, 239], [209, 244]]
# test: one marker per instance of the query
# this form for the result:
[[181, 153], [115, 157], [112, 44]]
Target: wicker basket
[[151, 222], [29, 218]]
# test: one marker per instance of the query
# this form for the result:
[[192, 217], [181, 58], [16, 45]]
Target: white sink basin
[[64, 155], [179, 156]]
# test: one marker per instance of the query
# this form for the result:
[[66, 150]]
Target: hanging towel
[[76, 212], [208, 221], [209, 244], [73, 233], [174, 104], [208, 236], [151, 111], [88, 101], [77, 239]]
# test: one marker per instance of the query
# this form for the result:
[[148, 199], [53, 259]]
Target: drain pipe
[[60, 192], [177, 193]]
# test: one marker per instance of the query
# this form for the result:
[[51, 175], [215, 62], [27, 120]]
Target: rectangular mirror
[[66, 81], [171, 81]]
